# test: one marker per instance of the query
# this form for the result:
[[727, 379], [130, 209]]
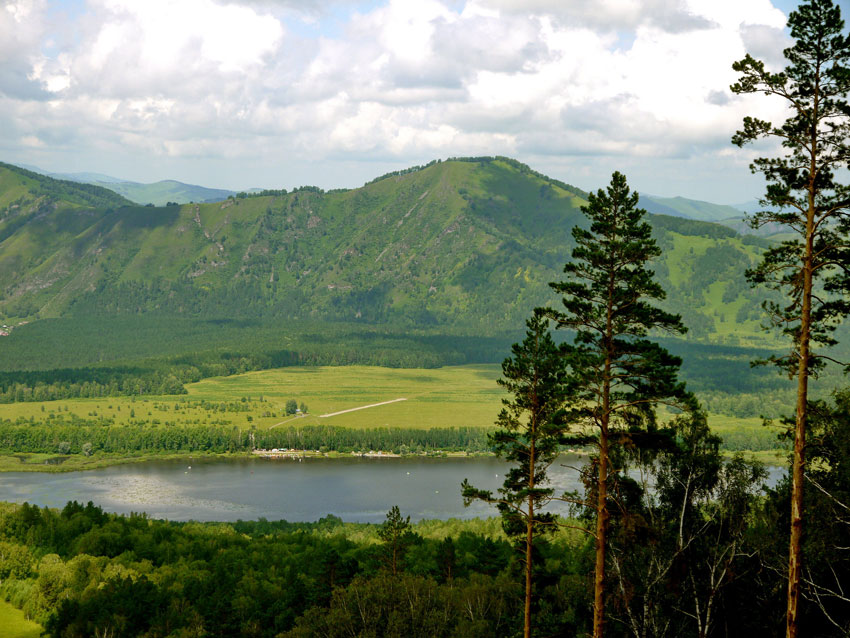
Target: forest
[[132, 356], [80, 571], [90, 436]]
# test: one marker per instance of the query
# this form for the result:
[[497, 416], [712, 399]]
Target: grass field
[[456, 396], [14, 625], [442, 397]]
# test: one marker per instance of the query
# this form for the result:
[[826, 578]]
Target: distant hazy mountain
[[749, 207], [160, 193], [157, 193], [84, 178], [689, 208]]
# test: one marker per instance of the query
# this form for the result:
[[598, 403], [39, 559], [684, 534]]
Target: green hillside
[[23, 190], [464, 245], [158, 193]]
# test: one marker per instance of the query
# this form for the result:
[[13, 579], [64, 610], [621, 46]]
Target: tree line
[[88, 436]]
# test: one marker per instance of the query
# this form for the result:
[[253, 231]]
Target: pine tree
[[617, 373], [528, 435], [804, 195], [397, 536]]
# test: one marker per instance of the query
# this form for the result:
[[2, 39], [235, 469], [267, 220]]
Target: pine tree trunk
[[529, 539], [795, 549], [602, 483], [601, 537], [602, 505]]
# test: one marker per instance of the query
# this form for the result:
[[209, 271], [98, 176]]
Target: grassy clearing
[[13, 624], [444, 397], [458, 396]]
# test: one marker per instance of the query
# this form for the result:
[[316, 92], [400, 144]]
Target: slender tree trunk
[[795, 550], [601, 535], [529, 542], [602, 484], [602, 511]]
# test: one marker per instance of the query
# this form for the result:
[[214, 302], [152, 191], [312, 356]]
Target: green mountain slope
[[21, 189], [469, 245]]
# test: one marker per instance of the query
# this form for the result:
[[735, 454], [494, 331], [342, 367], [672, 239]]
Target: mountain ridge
[[466, 243], [183, 193]]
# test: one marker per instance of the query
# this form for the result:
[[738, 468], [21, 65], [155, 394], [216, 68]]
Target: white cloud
[[22, 27], [208, 80], [671, 15], [172, 46]]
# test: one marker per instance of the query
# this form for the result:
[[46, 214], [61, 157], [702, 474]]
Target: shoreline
[[56, 463]]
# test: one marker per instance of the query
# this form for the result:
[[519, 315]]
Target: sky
[[280, 93]]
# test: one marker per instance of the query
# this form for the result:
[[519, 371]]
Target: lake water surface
[[356, 489]]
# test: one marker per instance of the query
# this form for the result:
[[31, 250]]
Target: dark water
[[359, 490]]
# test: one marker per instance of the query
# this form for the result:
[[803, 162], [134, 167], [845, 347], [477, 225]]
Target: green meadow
[[346, 396], [453, 396], [13, 624]]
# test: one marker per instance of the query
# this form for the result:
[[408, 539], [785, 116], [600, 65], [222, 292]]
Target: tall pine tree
[[617, 374], [528, 435], [804, 195]]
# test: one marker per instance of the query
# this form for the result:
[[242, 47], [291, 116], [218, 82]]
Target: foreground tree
[[617, 374], [528, 435], [804, 195], [397, 536]]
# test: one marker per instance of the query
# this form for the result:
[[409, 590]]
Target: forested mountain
[[467, 244]]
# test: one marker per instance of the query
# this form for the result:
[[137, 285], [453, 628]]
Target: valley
[[451, 398], [158, 319]]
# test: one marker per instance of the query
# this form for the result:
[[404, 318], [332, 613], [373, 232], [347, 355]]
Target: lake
[[355, 489]]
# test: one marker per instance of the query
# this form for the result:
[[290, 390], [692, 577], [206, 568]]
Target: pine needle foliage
[[805, 194], [528, 435], [616, 373]]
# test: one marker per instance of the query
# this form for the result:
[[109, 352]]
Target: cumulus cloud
[[670, 15], [766, 43], [400, 81], [22, 27]]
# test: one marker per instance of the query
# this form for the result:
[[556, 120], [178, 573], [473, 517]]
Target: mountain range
[[466, 244], [162, 192]]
